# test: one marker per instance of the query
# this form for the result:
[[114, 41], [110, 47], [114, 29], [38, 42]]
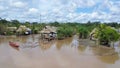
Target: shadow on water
[[81, 48], [65, 42], [110, 59], [21, 39], [106, 55], [45, 45]]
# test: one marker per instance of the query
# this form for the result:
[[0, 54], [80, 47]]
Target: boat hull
[[13, 44]]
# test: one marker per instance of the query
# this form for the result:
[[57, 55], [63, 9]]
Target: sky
[[61, 10]]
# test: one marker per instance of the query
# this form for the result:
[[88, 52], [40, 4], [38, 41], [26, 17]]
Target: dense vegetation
[[64, 31], [83, 32], [105, 34]]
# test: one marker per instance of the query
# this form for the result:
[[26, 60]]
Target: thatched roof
[[93, 31], [23, 28], [45, 31], [48, 29]]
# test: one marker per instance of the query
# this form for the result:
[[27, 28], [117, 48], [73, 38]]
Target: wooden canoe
[[13, 44]]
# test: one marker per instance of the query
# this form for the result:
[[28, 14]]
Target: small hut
[[23, 30], [48, 32], [92, 34]]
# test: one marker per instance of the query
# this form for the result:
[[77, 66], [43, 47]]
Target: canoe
[[13, 44]]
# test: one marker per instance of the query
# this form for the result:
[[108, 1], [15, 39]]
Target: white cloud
[[18, 4], [60, 10], [1, 8], [84, 3], [115, 7], [32, 10]]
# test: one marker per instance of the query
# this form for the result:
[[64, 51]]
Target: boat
[[13, 44]]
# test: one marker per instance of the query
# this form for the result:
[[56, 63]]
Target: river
[[67, 53]]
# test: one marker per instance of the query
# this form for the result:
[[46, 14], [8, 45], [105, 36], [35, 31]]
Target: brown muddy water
[[68, 53]]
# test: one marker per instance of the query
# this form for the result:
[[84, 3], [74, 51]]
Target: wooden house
[[48, 32]]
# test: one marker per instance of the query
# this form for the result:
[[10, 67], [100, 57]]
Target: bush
[[63, 32], [10, 33], [106, 35], [60, 32], [83, 32]]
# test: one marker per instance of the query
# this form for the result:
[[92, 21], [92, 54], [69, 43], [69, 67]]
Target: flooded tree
[[63, 32], [106, 35], [83, 32]]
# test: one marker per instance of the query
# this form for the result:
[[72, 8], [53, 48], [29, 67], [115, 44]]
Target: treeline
[[67, 28]]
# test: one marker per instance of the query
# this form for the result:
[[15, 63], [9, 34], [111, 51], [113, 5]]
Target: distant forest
[[16, 23], [37, 26]]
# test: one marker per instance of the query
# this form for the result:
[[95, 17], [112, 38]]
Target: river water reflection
[[68, 53]]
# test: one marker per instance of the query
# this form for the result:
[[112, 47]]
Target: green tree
[[15, 23], [2, 28], [83, 32], [107, 34], [63, 32]]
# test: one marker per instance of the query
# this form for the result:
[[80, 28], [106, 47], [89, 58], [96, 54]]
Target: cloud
[[1, 8], [32, 10], [85, 3], [18, 4], [61, 10]]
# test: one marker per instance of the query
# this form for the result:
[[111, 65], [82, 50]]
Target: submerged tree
[[60, 33], [83, 32], [63, 32], [106, 35]]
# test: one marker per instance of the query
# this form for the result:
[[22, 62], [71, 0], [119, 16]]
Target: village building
[[48, 32], [93, 34], [23, 30]]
